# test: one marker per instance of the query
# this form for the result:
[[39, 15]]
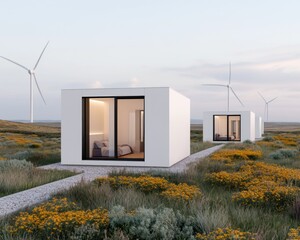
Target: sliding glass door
[[227, 127], [113, 128]]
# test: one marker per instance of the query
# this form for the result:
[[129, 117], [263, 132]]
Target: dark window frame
[[227, 118], [85, 129]]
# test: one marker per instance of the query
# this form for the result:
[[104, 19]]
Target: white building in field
[[125, 127], [233, 126]]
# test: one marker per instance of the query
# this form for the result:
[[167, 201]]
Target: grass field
[[197, 143], [18, 175], [243, 191], [22, 148], [38, 144]]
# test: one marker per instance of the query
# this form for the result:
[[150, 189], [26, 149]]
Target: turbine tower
[[266, 105], [32, 77], [229, 88]]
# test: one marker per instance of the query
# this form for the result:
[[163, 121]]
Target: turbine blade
[[262, 97], [272, 100], [40, 56], [237, 97], [15, 63], [229, 79], [214, 85], [39, 88]]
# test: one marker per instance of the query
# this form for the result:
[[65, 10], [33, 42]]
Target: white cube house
[[235, 126], [125, 127]]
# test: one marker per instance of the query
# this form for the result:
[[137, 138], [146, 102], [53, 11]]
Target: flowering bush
[[226, 234], [267, 193], [148, 184], [261, 184], [276, 144], [289, 140], [181, 191], [57, 217], [253, 171], [18, 139], [144, 183], [229, 155], [231, 180], [294, 234]]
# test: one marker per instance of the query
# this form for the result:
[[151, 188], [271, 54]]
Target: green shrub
[[39, 158], [283, 153], [248, 142], [268, 139], [35, 145], [147, 224], [14, 164], [21, 155], [86, 232]]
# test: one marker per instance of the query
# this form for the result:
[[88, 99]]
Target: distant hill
[[196, 121], [282, 126], [29, 128]]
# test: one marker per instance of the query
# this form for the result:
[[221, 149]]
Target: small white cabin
[[233, 126], [125, 127]]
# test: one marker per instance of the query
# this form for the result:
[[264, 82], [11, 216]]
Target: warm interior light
[[96, 101], [97, 133]]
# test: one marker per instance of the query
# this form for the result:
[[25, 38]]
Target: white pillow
[[105, 143]]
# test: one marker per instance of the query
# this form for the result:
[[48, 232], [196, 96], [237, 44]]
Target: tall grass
[[18, 175], [197, 143]]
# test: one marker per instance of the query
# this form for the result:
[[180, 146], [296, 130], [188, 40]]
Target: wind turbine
[[32, 76], [229, 88], [266, 105]]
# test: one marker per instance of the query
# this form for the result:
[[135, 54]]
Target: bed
[[101, 149], [219, 137]]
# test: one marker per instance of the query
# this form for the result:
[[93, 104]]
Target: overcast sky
[[135, 43]]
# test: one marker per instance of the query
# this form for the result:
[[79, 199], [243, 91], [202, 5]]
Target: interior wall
[[221, 125], [109, 124], [96, 123], [96, 116]]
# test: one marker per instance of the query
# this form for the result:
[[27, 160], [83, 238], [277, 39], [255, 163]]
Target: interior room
[[114, 128], [227, 128]]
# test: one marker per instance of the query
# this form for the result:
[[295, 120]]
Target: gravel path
[[17, 201]]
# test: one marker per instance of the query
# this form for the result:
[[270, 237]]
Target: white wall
[[157, 126], [258, 127], [208, 125], [252, 127], [179, 127], [247, 124]]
